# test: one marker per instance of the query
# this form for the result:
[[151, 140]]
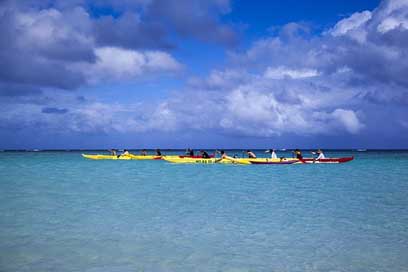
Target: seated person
[[298, 154], [204, 154], [251, 154], [320, 154], [273, 153], [190, 152]]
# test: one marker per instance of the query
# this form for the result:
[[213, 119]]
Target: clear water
[[60, 212]]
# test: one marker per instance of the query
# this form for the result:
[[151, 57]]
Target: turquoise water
[[60, 212]]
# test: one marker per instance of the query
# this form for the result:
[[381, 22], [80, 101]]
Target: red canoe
[[328, 160], [274, 162]]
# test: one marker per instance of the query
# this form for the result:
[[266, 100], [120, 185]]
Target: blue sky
[[203, 74]]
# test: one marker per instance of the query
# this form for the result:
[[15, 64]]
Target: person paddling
[[204, 154], [143, 152], [320, 154], [251, 154], [298, 154], [158, 152], [273, 153], [190, 152], [113, 152], [223, 155]]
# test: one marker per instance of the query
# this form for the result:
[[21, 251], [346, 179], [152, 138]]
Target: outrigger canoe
[[121, 157], [274, 161], [133, 157], [328, 160], [106, 157], [228, 160], [297, 161]]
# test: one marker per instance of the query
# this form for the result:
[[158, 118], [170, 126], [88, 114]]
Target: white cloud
[[349, 119], [115, 63], [283, 72], [391, 23], [351, 23], [50, 29], [392, 14]]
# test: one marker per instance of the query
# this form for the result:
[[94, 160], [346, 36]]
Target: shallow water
[[60, 212]]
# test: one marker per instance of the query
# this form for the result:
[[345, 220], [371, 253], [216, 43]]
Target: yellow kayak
[[274, 161], [106, 157], [144, 157], [121, 157], [228, 160]]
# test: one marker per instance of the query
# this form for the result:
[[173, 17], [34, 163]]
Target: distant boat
[[361, 150], [36, 150], [283, 149]]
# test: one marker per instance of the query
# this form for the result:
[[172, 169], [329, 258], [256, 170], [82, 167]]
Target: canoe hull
[[273, 161], [144, 157], [328, 160], [105, 157], [228, 160]]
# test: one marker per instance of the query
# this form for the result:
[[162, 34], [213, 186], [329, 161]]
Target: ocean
[[61, 212]]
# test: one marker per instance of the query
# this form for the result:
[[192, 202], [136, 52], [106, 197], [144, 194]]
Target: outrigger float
[[227, 160]]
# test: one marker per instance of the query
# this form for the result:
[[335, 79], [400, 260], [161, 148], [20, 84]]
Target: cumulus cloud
[[47, 44], [349, 119], [352, 23], [299, 84], [123, 64], [263, 107]]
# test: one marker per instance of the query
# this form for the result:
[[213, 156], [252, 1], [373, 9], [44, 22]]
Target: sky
[[203, 74]]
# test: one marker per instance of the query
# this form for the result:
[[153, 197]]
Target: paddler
[[125, 152], [143, 152], [158, 152], [320, 154], [190, 152], [273, 153], [251, 154], [223, 155], [298, 154], [204, 154], [113, 152]]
